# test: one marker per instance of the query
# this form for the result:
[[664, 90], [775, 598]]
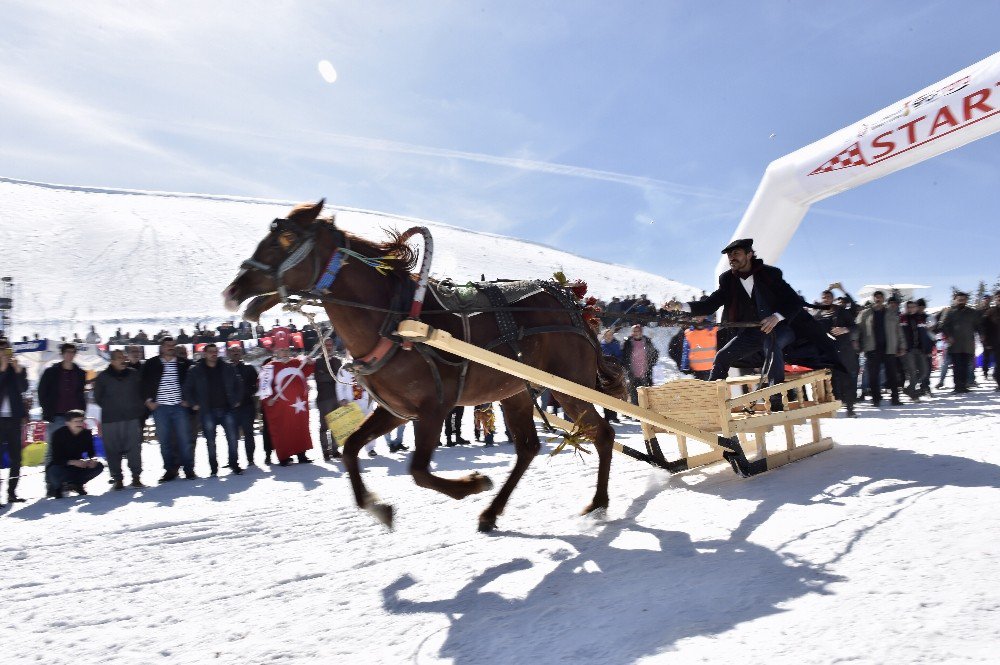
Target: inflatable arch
[[950, 113]]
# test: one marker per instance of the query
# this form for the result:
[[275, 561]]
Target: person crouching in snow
[[284, 397], [349, 390], [67, 470]]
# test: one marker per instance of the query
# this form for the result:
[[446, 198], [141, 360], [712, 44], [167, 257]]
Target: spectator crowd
[[888, 345]]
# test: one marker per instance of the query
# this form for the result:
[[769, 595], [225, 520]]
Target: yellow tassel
[[575, 439]]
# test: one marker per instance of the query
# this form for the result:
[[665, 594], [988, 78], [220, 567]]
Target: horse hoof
[[600, 506], [382, 512], [483, 483], [487, 523]]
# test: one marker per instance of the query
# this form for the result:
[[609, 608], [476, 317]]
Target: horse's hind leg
[[377, 424], [586, 417], [517, 413], [427, 431]]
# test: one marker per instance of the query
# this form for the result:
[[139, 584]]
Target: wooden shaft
[[418, 331]]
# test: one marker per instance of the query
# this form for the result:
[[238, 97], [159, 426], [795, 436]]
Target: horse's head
[[285, 261]]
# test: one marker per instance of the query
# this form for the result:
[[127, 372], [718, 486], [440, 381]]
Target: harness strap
[[509, 333], [380, 351]]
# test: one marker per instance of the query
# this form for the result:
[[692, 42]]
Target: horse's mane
[[400, 256]]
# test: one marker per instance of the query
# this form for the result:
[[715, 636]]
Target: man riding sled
[[751, 291]]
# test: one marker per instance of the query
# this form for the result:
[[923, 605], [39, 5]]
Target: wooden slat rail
[[764, 393]]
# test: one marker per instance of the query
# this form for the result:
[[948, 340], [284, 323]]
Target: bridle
[[302, 247]]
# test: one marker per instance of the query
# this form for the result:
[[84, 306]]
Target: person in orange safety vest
[[701, 350]]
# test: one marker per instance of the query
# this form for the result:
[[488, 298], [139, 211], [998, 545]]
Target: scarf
[[265, 388]]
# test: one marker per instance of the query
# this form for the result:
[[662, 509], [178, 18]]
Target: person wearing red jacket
[[284, 395]]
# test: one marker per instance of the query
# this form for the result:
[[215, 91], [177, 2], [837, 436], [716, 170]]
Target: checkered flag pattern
[[850, 157]]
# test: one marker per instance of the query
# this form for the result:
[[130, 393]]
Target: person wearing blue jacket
[[611, 348]]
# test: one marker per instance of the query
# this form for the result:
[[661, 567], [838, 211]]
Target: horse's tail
[[610, 375]]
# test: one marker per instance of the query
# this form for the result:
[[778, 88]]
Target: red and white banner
[[946, 115]]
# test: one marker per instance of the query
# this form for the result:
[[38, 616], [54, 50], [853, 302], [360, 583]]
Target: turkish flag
[[287, 409]]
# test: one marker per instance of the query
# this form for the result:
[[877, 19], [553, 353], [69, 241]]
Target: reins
[[317, 300]]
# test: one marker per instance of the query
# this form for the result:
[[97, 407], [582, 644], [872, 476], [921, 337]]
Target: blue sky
[[633, 132]]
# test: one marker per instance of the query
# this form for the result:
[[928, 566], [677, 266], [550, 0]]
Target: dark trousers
[[845, 384], [962, 363], [633, 384], [326, 442], [10, 441], [123, 438], [750, 341], [56, 475], [211, 418], [874, 362], [453, 423], [265, 434], [245, 416], [925, 385]]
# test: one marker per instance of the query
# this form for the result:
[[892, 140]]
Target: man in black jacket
[[246, 412], [326, 398], [918, 346], [990, 334], [118, 391], [836, 316], [215, 390], [162, 381], [13, 382], [639, 357], [67, 470], [61, 390], [754, 292]]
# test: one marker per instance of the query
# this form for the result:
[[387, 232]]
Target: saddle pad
[[461, 298]]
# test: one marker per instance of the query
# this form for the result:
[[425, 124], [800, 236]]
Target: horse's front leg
[[427, 432], [379, 423]]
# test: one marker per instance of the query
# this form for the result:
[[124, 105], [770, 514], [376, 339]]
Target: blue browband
[[330, 274]]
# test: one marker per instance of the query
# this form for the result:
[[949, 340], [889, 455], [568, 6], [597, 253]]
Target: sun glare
[[327, 71]]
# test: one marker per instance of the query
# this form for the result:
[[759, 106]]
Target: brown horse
[[420, 384]]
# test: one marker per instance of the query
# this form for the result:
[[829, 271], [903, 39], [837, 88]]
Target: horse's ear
[[306, 213]]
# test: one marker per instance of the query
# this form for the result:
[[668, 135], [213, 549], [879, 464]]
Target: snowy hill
[[149, 259]]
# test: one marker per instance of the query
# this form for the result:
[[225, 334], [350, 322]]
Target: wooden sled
[[711, 406]]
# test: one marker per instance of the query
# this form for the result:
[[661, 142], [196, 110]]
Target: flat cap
[[745, 244]]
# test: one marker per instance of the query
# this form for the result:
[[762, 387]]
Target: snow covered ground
[[882, 550], [158, 259]]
